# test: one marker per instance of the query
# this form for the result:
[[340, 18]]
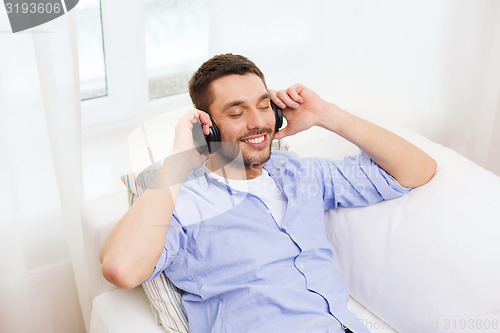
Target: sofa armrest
[[98, 218], [123, 311]]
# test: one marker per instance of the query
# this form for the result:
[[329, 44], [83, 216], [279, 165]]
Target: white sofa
[[426, 262]]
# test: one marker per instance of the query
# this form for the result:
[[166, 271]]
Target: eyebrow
[[231, 104]]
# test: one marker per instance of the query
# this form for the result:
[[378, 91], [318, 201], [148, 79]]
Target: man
[[246, 239]]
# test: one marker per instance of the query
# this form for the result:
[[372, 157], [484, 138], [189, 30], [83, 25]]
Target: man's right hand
[[184, 150]]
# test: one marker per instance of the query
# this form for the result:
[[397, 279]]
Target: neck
[[234, 169]]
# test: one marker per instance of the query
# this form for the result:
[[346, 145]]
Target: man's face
[[242, 111]]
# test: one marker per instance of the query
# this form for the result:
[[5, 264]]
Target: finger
[[281, 134], [283, 95], [203, 118], [205, 122], [190, 116], [294, 91], [206, 129], [275, 99]]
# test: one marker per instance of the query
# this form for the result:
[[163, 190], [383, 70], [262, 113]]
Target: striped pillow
[[164, 298], [166, 304]]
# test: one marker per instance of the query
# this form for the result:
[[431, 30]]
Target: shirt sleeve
[[355, 182], [175, 244]]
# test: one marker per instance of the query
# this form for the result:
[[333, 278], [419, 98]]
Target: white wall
[[433, 66]]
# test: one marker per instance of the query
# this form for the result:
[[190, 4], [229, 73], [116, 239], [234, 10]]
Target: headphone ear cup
[[278, 115], [213, 138]]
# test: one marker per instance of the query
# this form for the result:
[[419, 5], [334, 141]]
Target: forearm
[[408, 164], [132, 249]]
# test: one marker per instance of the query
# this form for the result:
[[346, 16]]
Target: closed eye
[[264, 106]]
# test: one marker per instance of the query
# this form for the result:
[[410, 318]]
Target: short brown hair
[[214, 68]]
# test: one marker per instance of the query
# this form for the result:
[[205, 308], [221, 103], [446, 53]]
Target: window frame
[[127, 102]]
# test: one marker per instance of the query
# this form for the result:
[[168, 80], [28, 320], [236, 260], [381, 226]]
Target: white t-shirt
[[262, 187]]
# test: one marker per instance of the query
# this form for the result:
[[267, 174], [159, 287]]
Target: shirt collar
[[275, 166]]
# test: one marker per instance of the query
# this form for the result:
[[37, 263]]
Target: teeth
[[256, 140]]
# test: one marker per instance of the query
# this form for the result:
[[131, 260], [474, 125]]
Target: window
[[176, 33], [133, 55], [91, 50]]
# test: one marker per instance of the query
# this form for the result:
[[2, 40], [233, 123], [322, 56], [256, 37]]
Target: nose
[[256, 119]]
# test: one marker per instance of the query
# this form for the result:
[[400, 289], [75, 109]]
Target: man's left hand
[[302, 108]]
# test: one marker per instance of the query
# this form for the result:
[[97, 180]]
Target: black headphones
[[211, 142]]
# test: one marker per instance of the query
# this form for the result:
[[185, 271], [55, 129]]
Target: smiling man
[[244, 235], [240, 105]]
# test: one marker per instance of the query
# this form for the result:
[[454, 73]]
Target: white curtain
[[432, 65], [40, 238]]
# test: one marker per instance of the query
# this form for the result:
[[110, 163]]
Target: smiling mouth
[[255, 140]]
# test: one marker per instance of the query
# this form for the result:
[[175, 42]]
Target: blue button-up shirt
[[241, 272]]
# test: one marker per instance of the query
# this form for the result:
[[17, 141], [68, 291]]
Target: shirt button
[[268, 211]]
